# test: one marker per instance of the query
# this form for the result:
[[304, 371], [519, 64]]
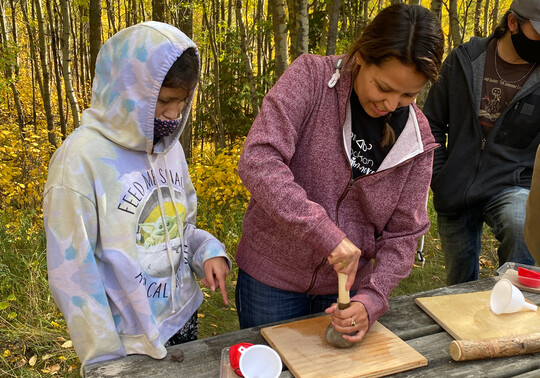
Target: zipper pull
[[516, 106], [483, 144]]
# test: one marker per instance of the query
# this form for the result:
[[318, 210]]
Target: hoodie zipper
[[483, 143], [334, 79], [323, 261], [342, 197]]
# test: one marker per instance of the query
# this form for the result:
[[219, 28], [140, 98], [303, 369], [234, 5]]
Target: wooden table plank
[[404, 318]]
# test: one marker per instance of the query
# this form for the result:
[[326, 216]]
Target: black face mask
[[163, 128], [526, 48]]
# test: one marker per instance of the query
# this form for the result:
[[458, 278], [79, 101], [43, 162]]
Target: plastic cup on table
[[260, 361]]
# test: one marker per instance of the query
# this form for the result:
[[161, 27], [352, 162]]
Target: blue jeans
[[461, 234], [258, 304]]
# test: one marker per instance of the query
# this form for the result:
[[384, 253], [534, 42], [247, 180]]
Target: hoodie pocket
[[520, 126]]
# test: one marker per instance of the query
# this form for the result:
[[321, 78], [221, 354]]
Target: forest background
[[47, 58]]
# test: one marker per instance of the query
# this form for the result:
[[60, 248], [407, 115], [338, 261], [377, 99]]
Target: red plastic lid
[[528, 277]]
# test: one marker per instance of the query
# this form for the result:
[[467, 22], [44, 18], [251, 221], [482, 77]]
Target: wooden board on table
[[303, 348], [468, 317]]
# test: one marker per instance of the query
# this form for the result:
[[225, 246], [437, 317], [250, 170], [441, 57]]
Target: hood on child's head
[[130, 68]]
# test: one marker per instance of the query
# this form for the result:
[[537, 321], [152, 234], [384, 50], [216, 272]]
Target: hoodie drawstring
[[167, 236], [335, 77], [179, 224]]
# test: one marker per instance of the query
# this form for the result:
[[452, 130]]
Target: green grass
[[31, 326]]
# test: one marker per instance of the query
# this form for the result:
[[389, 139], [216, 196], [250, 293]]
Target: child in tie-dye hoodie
[[120, 208]]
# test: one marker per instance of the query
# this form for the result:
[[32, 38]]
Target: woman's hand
[[350, 320], [216, 269], [345, 258]]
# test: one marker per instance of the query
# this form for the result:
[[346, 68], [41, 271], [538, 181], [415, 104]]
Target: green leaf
[[12, 315], [4, 305], [11, 297]]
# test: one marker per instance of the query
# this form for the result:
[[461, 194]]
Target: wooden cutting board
[[303, 348], [468, 317]]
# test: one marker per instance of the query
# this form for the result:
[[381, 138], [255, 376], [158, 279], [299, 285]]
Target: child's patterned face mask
[[163, 128]]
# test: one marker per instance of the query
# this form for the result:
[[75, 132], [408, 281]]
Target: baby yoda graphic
[[151, 242], [156, 231]]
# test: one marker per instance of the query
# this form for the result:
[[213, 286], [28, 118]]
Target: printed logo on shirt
[[144, 184], [359, 161]]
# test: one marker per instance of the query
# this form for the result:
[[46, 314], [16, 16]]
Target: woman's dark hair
[[502, 26], [409, 33], [184, 73]]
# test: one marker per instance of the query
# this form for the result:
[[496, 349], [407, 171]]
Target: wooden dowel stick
[[466, 350], [343, 294]]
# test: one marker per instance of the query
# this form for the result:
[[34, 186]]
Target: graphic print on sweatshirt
[[151, 238], [500, 84]]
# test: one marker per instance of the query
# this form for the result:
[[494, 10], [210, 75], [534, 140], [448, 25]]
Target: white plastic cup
[[506, 298], [260, 361]]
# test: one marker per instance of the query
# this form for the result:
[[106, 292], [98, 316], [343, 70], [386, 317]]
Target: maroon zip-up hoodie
[[304, 201]]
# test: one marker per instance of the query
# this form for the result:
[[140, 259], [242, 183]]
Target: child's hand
[[216, 269], [350, 320]]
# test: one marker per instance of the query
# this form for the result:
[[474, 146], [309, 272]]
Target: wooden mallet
[[334, 337], [466, 350]]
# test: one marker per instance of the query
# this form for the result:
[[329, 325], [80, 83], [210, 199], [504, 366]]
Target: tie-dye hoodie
[[119, 213]]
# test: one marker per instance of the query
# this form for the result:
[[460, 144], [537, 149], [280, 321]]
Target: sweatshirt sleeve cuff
[[210, 249], [375, 307]]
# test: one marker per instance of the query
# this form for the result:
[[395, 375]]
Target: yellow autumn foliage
[[222, 198]]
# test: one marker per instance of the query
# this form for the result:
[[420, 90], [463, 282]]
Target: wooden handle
[[344, 299], [466, 350]]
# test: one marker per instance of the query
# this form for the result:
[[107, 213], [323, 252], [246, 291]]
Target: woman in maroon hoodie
[[338, 163]]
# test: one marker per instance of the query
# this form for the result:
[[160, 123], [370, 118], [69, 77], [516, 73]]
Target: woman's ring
[[353, 323]]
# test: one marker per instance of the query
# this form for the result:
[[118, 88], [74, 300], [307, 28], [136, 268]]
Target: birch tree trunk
[[302, 29], [279, 26], [436, 7], [486, 17], [45, 88], [333, 19], [83, 67], [66, 63], [6, 44], [293, 26], [454, 24], [261, 33], [14, 32], [58, 82], [495, 15], [246, 59], [111, 18], [477, 13], [184, 17], [218, 119], [94, 15]]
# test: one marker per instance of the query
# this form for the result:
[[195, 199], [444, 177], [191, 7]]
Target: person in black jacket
[[484, 111]]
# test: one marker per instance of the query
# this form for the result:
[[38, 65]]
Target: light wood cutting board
[[468, 317], [303, 348]]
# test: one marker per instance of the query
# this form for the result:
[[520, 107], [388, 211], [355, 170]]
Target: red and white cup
[[235, 352], [252, 361]]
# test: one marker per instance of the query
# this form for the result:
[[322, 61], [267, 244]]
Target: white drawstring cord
[[335, 77], [179, 224], [167, 236]]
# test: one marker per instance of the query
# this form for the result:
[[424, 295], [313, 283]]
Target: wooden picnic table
[[404, 318]]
